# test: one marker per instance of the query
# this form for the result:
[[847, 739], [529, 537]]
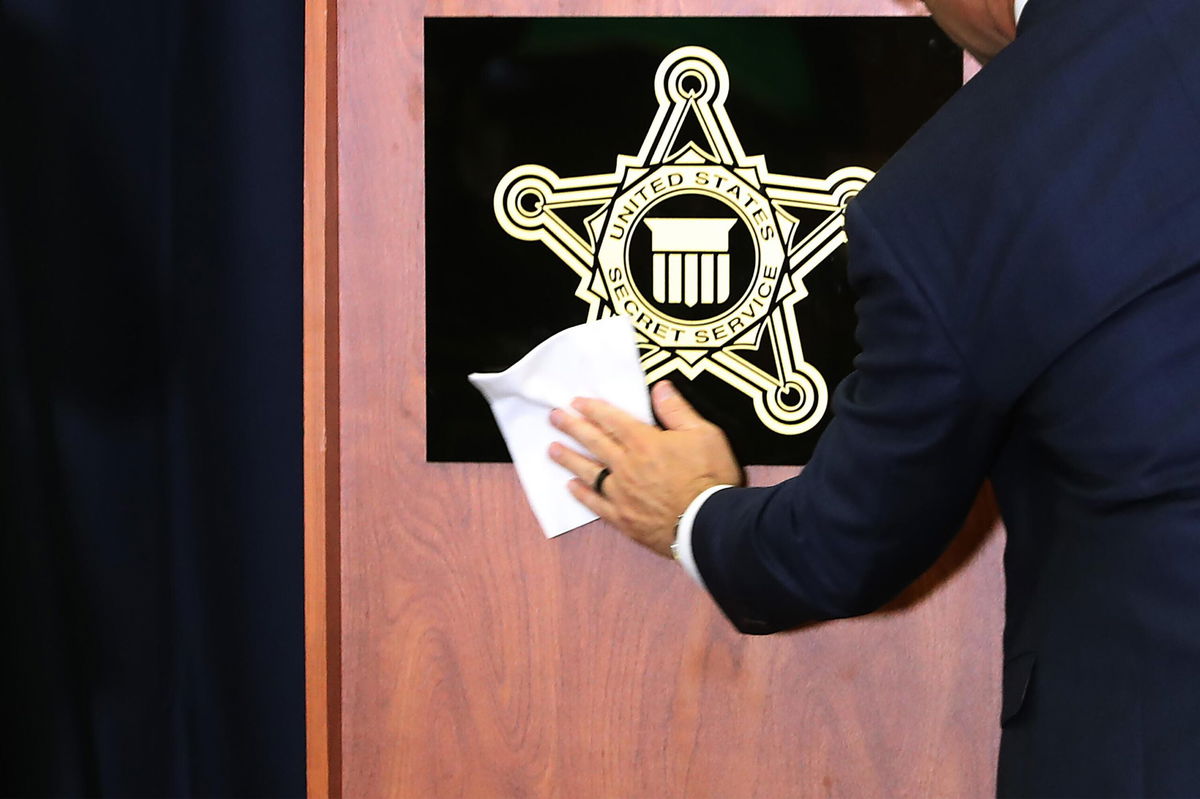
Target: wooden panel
[[480, 660], [321, 501]]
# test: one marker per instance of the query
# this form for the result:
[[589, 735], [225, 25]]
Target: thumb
[[672, 409]]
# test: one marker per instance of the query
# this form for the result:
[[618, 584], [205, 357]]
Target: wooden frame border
[[322, 566]]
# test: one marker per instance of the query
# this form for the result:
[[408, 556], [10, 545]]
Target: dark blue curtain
[[150, 414]]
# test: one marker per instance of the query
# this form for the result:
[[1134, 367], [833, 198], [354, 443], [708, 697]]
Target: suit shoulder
[[1039, 180]]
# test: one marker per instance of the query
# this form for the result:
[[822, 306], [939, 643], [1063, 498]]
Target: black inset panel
[[811, 95]]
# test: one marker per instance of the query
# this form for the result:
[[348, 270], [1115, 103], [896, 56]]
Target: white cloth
[[1018, 7], [599, 359]]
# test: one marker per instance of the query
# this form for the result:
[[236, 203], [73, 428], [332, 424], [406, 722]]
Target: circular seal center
[[692, 257], [692, 254]]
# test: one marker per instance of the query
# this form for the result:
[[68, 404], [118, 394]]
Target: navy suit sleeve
[[891, 479]]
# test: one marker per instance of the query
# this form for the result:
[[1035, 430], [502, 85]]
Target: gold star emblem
[[693, 241]]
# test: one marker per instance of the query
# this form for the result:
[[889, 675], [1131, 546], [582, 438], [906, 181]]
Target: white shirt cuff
[[683, 535]]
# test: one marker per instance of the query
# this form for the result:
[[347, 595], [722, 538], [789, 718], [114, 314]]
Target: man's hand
[[654, 473]]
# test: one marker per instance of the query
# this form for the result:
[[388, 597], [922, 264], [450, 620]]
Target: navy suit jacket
[[1028, 274]]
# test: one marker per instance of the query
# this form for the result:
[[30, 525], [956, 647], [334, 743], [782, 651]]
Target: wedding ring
[[598, 483]]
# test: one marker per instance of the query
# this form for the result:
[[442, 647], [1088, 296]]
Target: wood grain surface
[[478, 659], [322, 563]]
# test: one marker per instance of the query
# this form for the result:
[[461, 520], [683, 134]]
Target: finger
[[579, 465], [593, 438], [597, 504], [618, 424], [672, 409]]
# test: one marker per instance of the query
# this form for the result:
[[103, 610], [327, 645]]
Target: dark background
[[813, 95], [150, 398]]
